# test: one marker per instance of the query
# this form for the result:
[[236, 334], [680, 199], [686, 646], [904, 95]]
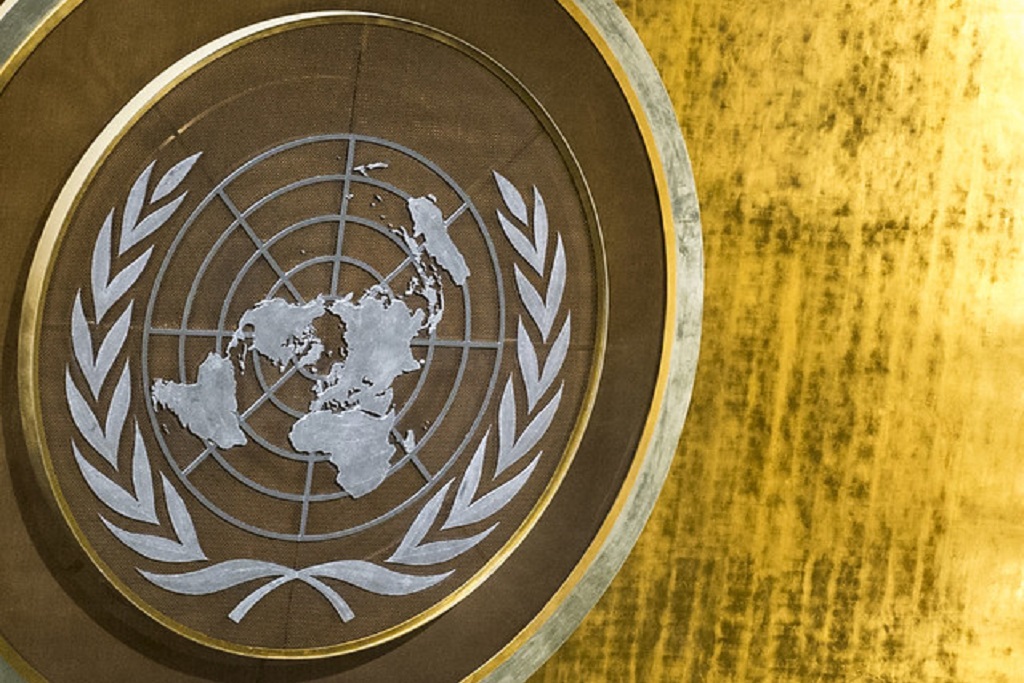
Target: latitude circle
[[219, 193]]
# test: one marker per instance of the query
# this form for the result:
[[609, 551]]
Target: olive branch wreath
[[140, 503]]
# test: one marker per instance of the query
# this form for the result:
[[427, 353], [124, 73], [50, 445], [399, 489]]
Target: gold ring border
[[67, 203], [50, 18]]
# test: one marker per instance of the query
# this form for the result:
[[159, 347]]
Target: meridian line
[[198, 460], [345, 191], [262, 399], [394, 273], [261, 247], [257, 366], [415, 459], [455, 216], [412, 457], [305, 499]]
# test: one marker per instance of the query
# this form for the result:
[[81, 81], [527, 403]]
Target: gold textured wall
[[847, 502]]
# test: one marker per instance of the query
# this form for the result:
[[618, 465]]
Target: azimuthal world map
[[362, 360], [351, 415]]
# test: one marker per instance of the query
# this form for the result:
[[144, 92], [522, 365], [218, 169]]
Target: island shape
[[207, 408]]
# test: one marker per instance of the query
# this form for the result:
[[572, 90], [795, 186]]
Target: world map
[[351, 417]]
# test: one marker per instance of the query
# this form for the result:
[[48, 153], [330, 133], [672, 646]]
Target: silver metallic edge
[[657, 106], [7, 674], [18, 19]]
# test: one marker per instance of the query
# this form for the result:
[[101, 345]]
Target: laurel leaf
[[506, 426], [86, 422], [539, 313], [413, 551], [154, 547], [532, 434], [528, 364], [100, 272], [540, 229], [521, 243], [108, 294], [419, 528], [174, 177], [468, 487], [81, 339], [556, 357], [438, 552], [181, 520], [133, 206], [373, 578], [185, 549], [142, 480], [537, 382], [556, 287], [218, 577], [117, 413], [96, 374], [150, 224], [494, 501], [513, 200], [109, 492]]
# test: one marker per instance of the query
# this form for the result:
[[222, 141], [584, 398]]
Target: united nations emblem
[[314, 342], [330, 375]]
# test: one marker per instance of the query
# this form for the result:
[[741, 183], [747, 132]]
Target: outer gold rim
[[66, 205]]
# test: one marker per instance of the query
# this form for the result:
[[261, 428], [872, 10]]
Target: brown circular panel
[[330, 339], [313, 379]]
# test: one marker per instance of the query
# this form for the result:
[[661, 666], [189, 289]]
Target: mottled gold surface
[[847, 503]]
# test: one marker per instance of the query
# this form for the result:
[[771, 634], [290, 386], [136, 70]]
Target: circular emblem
[[332, 343], [313, 366]]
